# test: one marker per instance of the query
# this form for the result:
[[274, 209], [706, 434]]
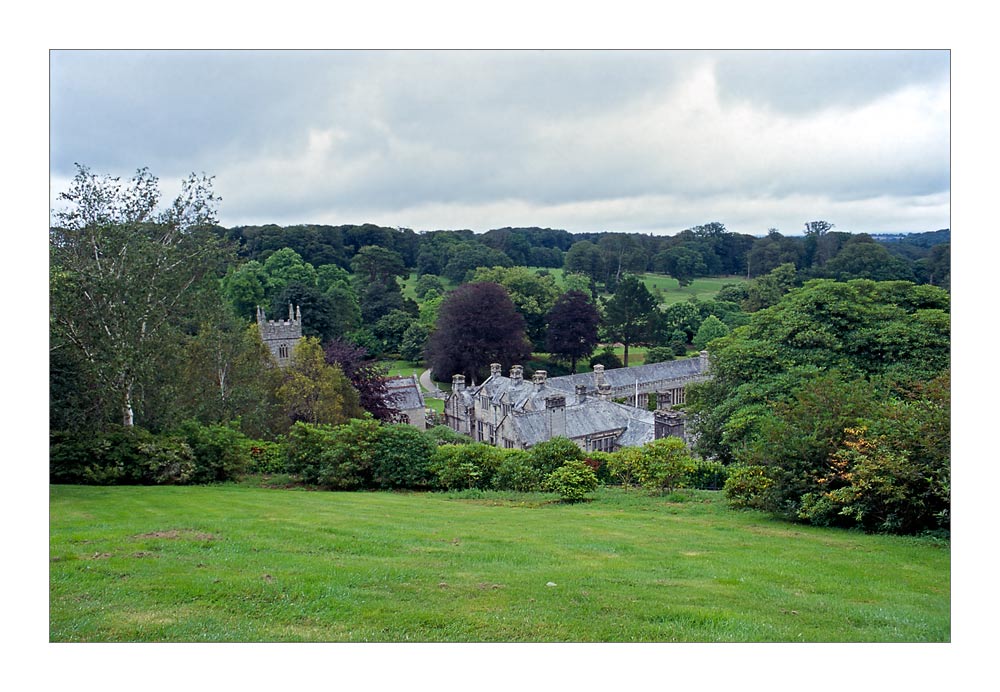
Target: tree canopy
[[477, 325]]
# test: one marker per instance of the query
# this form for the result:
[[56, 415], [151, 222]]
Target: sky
[[651, 141]]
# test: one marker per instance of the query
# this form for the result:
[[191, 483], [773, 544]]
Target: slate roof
[[589, 417], [404, 393], [626, 377]]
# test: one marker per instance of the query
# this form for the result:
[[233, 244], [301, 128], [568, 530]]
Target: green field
[[240, 563]]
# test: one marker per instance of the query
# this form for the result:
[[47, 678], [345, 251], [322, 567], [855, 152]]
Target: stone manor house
[[587, 407]]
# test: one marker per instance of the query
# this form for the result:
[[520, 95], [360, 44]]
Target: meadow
[[245, 563]]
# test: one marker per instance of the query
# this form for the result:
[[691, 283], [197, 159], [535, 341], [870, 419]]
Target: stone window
[[601, 444]]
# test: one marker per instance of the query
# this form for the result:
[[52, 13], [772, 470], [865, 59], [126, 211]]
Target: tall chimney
[[458, 382], [703, 358], [517, 374], [555, 407], [581, 393], [495, 369], [668, 423], [538, 379]]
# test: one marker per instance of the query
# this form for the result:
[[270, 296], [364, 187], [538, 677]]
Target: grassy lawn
[[703, 289], [238, 563]]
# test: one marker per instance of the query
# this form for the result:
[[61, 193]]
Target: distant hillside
[[927, 239]]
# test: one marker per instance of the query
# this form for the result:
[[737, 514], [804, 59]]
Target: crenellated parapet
[[281, 336]]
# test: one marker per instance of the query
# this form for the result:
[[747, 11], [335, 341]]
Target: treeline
[[705, 250]]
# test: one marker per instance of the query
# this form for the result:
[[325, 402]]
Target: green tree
[[585, 258], [315, 392], [682, 262], [245, 288], [629, 314], [533, 295], [285, 267], [711, 328], [414, 342], [227, 376], [126, 278]]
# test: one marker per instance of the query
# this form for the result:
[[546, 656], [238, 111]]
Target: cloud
[[605, 140]]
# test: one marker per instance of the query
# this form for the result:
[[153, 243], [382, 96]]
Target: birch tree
[[126, 276]]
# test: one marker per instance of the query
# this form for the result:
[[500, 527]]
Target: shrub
[[221, 452], [608, 358], [349, 459], [515, 472], [459, 467], [120, 456], [706, 475], [548, 456], [266, 457], [746, 486], [659, 354], [573, 480], [305, 446], [599, 464], [625, 465], [401, 458], [442, 435], [665, 464]]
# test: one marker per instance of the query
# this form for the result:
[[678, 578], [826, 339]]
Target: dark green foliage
[[629, 314], [572, 327], [477, 325], [549, 455], [573, 481], [401, 458], [598, 462], [659, 354], [792, 389], [221, 452], [266, 457], [515, 472], [120, 456], [465, 466], [608, 358], [706, 475]]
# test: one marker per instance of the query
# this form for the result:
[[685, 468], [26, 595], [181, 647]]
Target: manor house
[[601, 410]]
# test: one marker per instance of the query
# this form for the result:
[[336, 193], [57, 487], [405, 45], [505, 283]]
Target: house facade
[[599, 411]]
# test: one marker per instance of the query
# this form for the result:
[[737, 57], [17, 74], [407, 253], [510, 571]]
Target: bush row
[[364, 454]]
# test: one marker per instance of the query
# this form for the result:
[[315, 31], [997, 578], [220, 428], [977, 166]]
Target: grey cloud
[[314, 136]]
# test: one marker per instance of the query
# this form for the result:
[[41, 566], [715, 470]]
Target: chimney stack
[[703, 357], [495, 369], [538, 379], [517, 374], [668, 423], [458, 382], [555, 406], [581, 393]]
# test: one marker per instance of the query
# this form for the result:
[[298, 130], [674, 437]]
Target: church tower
[[281, 336]]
